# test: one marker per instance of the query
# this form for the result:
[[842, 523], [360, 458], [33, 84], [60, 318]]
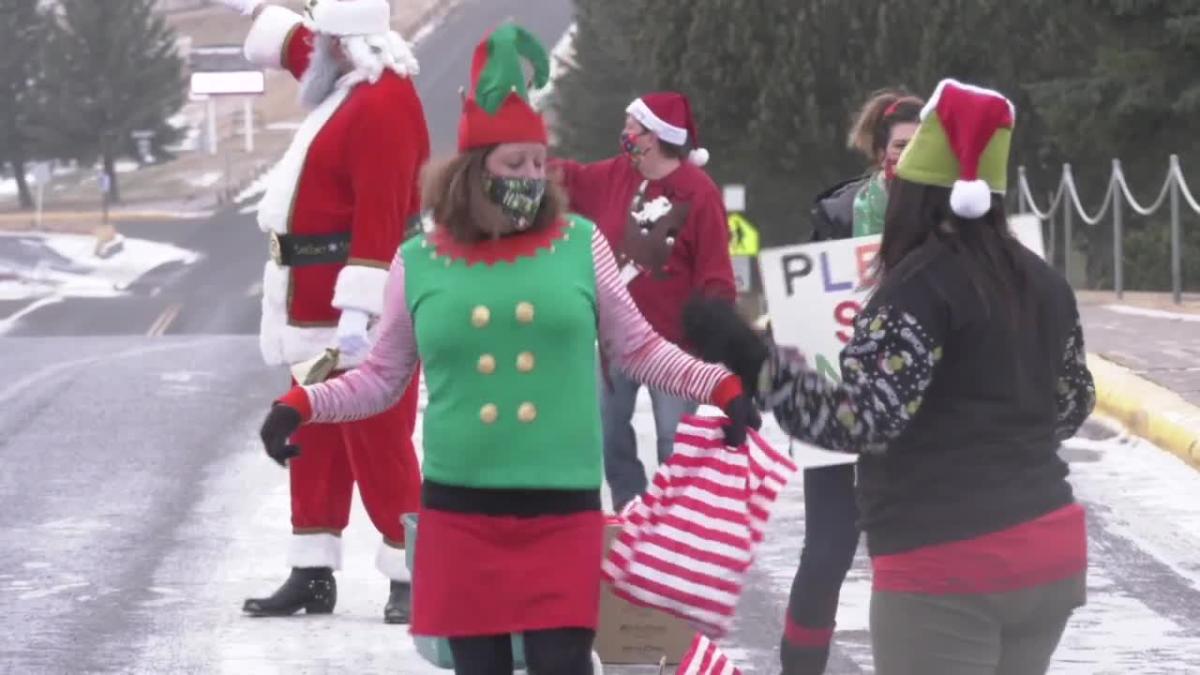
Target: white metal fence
[[1174, 189]]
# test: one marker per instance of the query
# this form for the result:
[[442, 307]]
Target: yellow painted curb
[[97, 216], [1155, 413]]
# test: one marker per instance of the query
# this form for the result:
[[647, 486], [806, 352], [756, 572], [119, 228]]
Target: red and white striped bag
[[705, 658], [686, 545]]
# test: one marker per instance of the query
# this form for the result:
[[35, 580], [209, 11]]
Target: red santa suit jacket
[[352, 167]]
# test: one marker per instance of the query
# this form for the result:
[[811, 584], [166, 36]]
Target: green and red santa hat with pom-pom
[[496, 108], [962, 143]]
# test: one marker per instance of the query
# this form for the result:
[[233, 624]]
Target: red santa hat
[[668, 115], [350, 17], [496, 109]]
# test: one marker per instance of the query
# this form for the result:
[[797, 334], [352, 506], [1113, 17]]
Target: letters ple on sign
[[799, 265]]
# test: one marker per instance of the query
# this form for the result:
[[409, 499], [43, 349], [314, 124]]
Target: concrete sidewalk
[[1145, 355]]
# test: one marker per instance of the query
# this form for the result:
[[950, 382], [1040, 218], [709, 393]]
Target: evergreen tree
[[23, 30], [590, 98], [113, 69], [1136, 98]]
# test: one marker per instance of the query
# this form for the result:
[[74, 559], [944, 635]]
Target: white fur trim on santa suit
[[283, 344], [268, 36], [970, 198], [664, 130], [315, 550], [280, 342], [352, 17], [360, 287], [392, 563]]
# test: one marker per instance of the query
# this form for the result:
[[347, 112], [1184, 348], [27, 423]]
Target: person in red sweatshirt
[[666, 221]]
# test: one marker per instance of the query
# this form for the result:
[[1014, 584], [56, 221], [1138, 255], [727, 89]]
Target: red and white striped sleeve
[[628, 340]]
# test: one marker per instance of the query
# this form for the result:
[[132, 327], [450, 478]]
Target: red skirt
[[491, 575]]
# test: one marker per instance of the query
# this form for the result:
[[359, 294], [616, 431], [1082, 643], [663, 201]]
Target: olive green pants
[[1012, 633]]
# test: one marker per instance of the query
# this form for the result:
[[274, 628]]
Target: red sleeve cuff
[[729, 389], [298, 398]]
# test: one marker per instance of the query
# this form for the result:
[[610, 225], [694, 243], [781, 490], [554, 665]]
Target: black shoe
[[399, 603], [312, 589]]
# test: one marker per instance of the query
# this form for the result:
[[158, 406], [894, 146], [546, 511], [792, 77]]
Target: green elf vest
[[509, 355]]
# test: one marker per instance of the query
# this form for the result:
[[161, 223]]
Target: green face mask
[[519, 198]]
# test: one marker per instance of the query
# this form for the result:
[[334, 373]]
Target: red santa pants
[[376, 453]]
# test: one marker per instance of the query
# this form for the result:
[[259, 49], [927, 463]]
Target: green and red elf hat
[[496, 109], [962, 144]]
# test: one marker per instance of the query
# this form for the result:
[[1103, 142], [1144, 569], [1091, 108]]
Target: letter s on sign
[[844, 314]]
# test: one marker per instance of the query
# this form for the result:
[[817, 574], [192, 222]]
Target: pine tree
[[114, 69], [590, 98], [23, 30]]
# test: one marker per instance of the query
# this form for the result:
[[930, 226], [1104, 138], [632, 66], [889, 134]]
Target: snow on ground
[[38, 265], [206, 179], [1146, 530], [1143, 579]]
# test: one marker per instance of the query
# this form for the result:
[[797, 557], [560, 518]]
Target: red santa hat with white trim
[[668, 115]]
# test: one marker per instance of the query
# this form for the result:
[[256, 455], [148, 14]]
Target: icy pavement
[[1143, 614]]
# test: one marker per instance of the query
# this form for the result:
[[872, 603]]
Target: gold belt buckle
[[275, 247]]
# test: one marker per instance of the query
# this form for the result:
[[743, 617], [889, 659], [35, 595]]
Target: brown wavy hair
[[874, 121], [453, 192]]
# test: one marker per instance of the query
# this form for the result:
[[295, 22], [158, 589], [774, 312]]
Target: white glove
[[246, 7], [353, 342]]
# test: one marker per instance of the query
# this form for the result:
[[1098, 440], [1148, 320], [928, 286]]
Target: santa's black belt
[[300, 250]]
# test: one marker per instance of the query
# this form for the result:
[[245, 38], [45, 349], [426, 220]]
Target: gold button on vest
[[525, 362], [487, 364], [489, 413], [527, 413], [480, 316], [525, 312]]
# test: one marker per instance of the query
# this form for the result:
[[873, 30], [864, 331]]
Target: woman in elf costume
[[503, 302], [966, 370]]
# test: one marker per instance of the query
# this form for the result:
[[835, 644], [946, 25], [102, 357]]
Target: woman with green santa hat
[[965, 371], [503, 302]]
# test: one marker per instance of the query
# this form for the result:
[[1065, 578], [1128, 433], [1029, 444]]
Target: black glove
[[280, 424], [742, 415], [721, 336]]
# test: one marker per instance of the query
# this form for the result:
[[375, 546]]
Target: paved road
[[137, 511], [1160, 345]]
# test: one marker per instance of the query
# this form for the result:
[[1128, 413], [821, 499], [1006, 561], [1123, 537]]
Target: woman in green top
[[881, 132]]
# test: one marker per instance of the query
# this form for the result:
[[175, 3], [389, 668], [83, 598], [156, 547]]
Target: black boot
[[312, 589], [399, 603]]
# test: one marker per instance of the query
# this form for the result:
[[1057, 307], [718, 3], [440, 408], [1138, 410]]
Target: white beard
[[322, 74], [368, 57]]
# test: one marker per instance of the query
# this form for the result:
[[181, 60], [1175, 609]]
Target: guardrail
[[1174, 189]]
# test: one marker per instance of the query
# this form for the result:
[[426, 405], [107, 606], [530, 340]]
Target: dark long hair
[[919, 225]]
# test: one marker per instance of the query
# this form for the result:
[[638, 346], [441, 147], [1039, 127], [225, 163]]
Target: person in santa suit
[[504, 301], [666, 220], [335, 211]]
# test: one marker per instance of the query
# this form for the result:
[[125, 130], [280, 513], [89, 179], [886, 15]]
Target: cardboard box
[[629, 634]]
